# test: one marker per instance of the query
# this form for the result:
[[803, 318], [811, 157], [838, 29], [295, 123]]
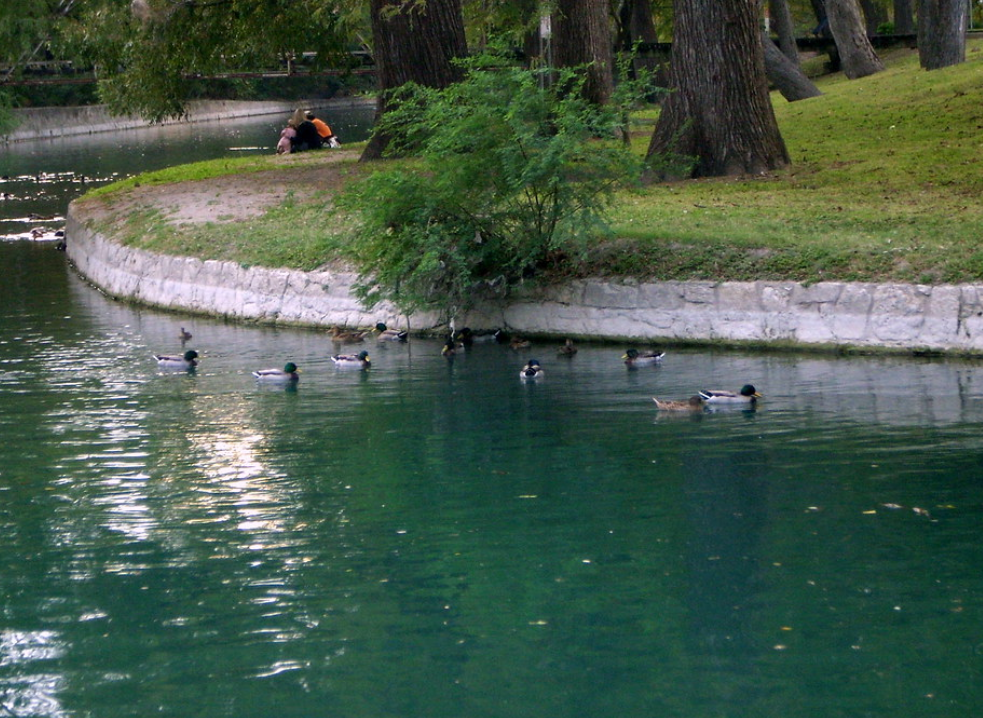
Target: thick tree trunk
[[904, 17], [637, 16], [784, 29], [719, 110], [581, 36], [635, 24], [413, 42], [941, 33], [857, 56], [822, 23], [875, 15], [785, 75]]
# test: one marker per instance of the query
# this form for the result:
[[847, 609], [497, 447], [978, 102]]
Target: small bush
[[504, 174]]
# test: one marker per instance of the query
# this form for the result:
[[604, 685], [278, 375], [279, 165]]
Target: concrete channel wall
[[47, 122], [902, 317]]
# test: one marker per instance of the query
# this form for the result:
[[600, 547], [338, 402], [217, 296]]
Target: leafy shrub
[[504, 174]]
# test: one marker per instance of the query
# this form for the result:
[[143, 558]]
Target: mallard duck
[[352, 361], [532, 370], [347, 336], [694, 403], [464, 337], [519, 343], [567, 350], [184, 336], [188, 360], [390, 335], [747, 395], [634, 358], [290, 372], [450, 348]]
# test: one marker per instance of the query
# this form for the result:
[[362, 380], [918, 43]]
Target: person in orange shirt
[[327, 136]]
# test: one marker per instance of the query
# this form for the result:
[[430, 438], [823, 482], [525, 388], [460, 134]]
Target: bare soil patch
[[226, 199]]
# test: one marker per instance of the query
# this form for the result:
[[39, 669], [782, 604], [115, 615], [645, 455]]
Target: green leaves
[[147, 53], [505, 173]]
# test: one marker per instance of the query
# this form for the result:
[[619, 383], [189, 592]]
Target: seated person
[[287, 136], [327, 136], [307, 137]]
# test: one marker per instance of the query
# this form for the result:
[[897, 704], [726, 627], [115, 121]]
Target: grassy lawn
[[885, 184]]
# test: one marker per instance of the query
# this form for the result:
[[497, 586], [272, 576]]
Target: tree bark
[[857, 56], [875, 15], [581, 36], [822, 23], [785, 75], [941, 33], [784, 28], [904, 17], [413, 42], [719, 110], [635, 24]]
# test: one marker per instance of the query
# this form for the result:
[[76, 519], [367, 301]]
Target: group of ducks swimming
[[289, 372], [533, 370]]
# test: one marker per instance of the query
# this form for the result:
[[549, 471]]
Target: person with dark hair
[[307, 137], [323, 129]]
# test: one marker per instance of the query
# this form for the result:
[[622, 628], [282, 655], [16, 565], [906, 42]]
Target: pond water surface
[[436, 538]]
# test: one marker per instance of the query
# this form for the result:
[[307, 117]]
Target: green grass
[[190, 172], [884, 181], [297, 235], [884, 185]]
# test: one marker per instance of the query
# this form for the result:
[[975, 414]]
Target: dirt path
[[230, 198]]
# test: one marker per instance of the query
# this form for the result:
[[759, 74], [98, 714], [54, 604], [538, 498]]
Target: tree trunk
[[822, 23], [875, 15], [941, 33], [904, 17], [635, 24], [719, 110], [413, 42], [581, 36], [785, 75], [857, 56], [781, 23]]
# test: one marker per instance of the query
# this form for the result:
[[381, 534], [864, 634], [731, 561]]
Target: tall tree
[[875, 15], [413, 42], [857, 56], [785, 75], [27, 29], [904, 17], [145, 51], [941, 33], [822, 22], [635, 24], [719, 110], [581, 36], [784, 28]]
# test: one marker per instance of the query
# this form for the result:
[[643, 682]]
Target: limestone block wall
[[898, 316], [47, 122], [224, 289]]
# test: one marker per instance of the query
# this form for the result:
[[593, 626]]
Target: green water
[[434, 539]]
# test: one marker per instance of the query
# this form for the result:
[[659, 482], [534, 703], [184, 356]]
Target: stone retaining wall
[[896, 316], [47, 122]]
